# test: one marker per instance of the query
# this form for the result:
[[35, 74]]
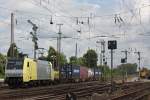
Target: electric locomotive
[[27, 71]]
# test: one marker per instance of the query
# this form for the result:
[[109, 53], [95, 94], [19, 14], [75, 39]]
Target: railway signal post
[[124, 60], [139, 59], [112, 45], [102, 56]]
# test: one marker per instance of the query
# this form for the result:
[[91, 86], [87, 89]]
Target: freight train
[[31, 72]]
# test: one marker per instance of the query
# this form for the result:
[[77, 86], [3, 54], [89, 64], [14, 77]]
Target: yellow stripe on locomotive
[[37, 70], [56, 75], [29, 70]]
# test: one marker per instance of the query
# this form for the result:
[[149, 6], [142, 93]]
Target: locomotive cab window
[[15, 64], [28, 64]]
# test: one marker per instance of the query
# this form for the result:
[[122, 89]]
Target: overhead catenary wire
[[84, 17], [107, 15]]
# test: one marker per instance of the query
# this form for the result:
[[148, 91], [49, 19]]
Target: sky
[[132, 33]]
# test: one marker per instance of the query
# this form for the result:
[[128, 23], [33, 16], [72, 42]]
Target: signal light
[[112, 44]]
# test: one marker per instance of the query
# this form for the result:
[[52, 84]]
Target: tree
[[52, 54], [73, 60], [129, 68], [52, 57], [125, 69], [104, 68], [2, 64], [90, 58], [81, 61], [77, 61], [105, 71], [13, 51], [63, 59]]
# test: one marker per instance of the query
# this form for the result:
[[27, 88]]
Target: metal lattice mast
[[34, 36]]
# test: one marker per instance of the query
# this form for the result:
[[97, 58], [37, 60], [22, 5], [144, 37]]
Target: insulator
[[51, 21], [118, 20], [77, 21], [121, 19], [115, 20], [35, 28], [31, 33], [79, 31], [82, 22], [104, 59]]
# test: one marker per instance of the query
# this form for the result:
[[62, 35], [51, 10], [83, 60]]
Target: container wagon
[[75, 73], [83, 73], [70, 73]]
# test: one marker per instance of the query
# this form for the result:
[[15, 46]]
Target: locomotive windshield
[[15, 64]]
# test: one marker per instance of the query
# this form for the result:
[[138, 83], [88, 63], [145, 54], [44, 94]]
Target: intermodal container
[[75, 72], [83, 73]]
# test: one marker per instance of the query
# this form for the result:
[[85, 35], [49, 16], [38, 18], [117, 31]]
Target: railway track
[[106, 89], [34, 92], [134, 93], [3, 86], [83, 92], [59, 92]]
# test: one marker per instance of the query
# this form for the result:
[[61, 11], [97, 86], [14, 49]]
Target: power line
[[123, 12], [65, 23], [107, 15], [66, 16], [71, 16]]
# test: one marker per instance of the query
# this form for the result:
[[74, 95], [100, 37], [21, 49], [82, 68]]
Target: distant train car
[[70, 73], [145, 73], [83, 73], [28, 71], [94, 73], [79, 73], [75, 73], [90, 74], [97, 73]]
